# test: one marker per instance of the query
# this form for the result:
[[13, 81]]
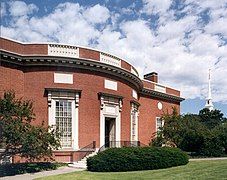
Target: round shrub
[[136, 158]]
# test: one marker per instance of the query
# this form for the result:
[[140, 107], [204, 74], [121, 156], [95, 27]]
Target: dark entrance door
[[109, 132]]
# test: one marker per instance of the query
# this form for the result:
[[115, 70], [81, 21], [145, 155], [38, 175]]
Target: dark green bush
[[21, 168], [136, 158], [212, 146]]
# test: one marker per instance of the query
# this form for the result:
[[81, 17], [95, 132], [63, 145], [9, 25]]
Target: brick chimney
[[151, 77]]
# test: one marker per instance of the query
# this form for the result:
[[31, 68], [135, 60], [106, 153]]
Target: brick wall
[[126, 65], [151, 85], [89, 54], [37, 79], [11, 78], [30, 83], [147, 116], [172, 91], [23, 49]]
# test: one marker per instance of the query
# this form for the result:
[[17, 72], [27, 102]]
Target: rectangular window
[[5, 160], [63, 117], [159, 123]]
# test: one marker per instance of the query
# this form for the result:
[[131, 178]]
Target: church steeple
[[209, 105]]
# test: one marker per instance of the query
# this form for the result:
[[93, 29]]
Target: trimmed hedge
[[21, 168], [136, 158]]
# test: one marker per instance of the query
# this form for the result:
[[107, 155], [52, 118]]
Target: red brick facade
[[29, 81]]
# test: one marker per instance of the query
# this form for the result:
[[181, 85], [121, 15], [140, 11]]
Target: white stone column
[[75, 122]]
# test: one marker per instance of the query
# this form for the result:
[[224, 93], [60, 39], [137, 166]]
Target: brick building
[[89, 95]]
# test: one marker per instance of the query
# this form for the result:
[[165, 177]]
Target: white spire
[[209, 105]]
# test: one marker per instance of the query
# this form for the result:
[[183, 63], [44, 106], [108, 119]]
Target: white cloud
[[177, 28], [97, 14], [181, 49], [218, 13], [9, 32], [136, 35], [68, 23], [204, 45], [20, 8], [2, 9], [218, 26], [204, 4], [137, 32], [156, 6]]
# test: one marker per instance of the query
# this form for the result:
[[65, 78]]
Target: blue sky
[[179, 39]]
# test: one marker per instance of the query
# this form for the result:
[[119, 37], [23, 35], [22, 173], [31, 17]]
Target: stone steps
[[82, 164]]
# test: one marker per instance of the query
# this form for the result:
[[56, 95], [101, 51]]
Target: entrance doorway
[[110, 132]]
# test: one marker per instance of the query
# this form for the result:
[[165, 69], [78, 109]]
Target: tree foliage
[[211, 118], [204, 134], [192, 133], [19, 136], [221, 132]]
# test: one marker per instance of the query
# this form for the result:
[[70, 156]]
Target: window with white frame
[[5, 159], [63, 114], [159, 123], [63, 118]]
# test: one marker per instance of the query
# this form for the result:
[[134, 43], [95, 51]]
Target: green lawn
[[213, 169]]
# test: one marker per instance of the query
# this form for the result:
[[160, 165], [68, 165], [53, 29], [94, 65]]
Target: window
[[63, 114], [159, 123], [6, 160], [63, 118]]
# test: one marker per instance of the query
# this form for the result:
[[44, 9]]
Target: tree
[[221, 132], [204, 134], [18, 136], [172, 127], [193, 133], [211, 118], [170, 133]]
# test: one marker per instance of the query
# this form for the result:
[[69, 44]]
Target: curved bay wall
[[29, 69], [30, 83]]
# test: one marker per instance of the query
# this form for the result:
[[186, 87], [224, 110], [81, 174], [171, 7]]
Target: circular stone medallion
[[159, 105]]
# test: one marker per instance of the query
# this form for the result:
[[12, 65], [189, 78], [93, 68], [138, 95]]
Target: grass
[[208, 169]]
